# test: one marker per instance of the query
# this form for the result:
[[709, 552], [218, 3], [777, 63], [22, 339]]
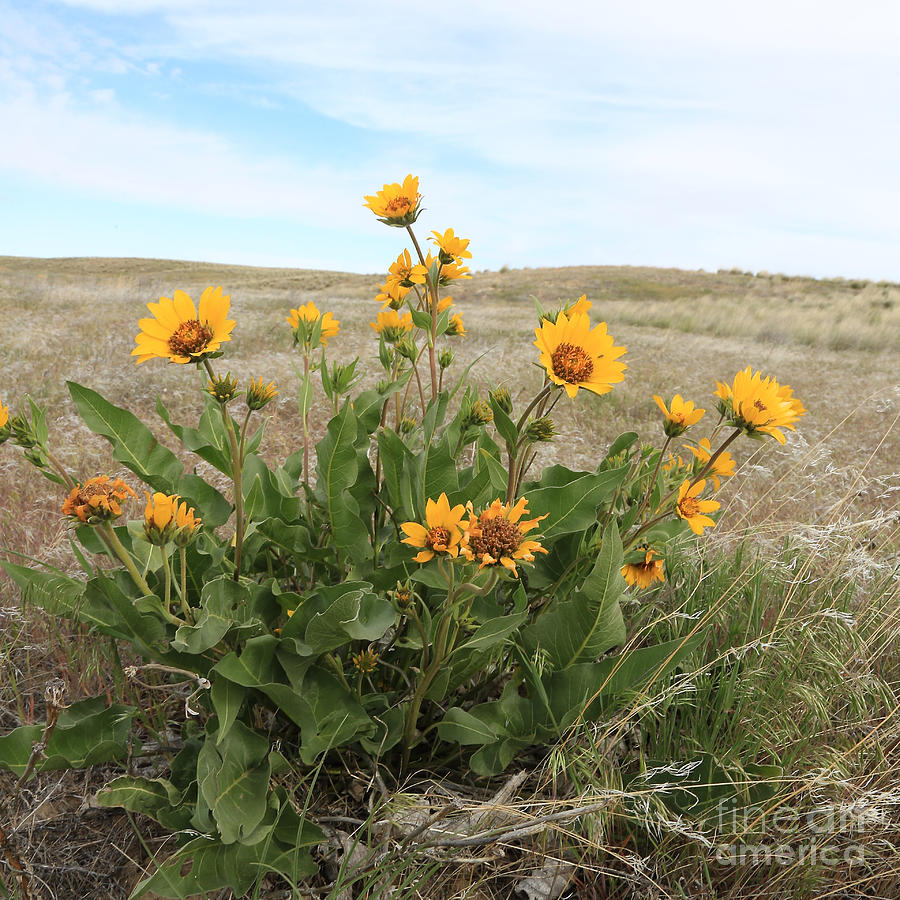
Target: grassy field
[[809, 609]]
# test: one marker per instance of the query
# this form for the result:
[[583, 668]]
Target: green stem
[[434, 305], [168, 573], [185, 606], [113, 542], [646, 498], [237, 466]]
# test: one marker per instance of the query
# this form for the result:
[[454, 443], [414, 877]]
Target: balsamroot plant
[[408, 590]]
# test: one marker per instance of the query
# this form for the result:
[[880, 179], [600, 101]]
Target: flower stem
[[237, 466], [646, 498], [112, 541], [434, 305], [168, 573], [185, 606]]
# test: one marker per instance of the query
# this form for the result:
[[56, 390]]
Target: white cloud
[[717, 132]]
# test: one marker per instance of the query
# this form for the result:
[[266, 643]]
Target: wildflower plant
[[406, 590]]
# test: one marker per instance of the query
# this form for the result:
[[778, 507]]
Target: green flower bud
[[501, 397], [540, 430], [222, 389], [445, 359]]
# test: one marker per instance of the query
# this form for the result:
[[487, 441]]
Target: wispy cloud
[[676, 134]]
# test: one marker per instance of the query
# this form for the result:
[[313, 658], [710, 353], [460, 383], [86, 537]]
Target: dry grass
[[834, 489]]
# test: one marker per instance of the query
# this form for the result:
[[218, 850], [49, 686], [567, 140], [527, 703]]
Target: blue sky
[[691, 134]]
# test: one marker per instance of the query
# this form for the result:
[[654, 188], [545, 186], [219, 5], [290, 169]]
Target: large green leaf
[[328, 714], [436, 471], [135, 446], [224, 604], [236, 785], [337, 465], [354, 615], [570, 498], [209, 443], [397, 467], [55, 593], [588, 624], [156, 797], [214, 866], [86, 733]]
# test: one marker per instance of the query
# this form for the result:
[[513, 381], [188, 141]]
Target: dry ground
[[837, 343]]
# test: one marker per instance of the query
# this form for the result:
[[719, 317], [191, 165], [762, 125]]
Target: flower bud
[[258, 394], [407, 425], [538, 430], [407, 349], [445, 359], [480, 414], [222, 389], [501, 397]]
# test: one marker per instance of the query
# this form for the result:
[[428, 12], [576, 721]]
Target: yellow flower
[[576, 355], [455, 327], [644, 573], [673, 462], [452, 248], [404, 273], [365, 662], [4, 415], [187, 525], [392, 294], [181, 334], [258, 394], [397, 204], [759, 405], [579, 307], [159, 517], [497, 535], [692, 509], [392, 325], [97, 500], [679, 416], [723, 466], [441, 532], [452, 272], [304, 319]]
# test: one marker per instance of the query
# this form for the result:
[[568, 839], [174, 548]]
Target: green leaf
[[504, 424], [215, 866], [353, 615], [590, 623], [227, 699], [209, 443], [86, 733], [235, 790], [135, 446], [397, 467], [55, 593], [493, 632], [224, 603], [436, 471], [464, 728], [157, 798], [337, 465], [571, 498]]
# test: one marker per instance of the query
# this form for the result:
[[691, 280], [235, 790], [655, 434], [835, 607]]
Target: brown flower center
[[759, 404], [571, 363], [190, 338], [437, 538], [499, 537], [689, 507], [398, 206]]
